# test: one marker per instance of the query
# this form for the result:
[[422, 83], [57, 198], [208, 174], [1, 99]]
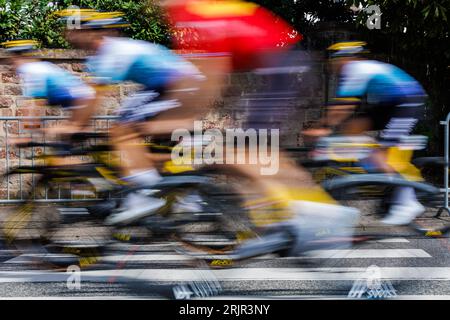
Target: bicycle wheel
[[207, 218], [52, 233], [358, 190]]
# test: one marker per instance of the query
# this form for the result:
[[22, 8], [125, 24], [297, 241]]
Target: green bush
[[35, 19]]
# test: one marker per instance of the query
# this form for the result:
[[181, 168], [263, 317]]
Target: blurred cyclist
[[255, 40], [156, 70], [240, 36], [387, 100], [48, 82]]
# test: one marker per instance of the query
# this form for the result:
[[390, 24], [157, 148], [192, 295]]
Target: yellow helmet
[[71, 12], [347, 49], [20, 46], [93, 19]]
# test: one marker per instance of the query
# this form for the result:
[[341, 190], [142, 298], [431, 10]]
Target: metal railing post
[[446, 123], [447, 133]]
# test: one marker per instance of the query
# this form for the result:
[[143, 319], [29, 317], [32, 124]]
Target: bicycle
[[342, 172], [342, 175], [101, 176]]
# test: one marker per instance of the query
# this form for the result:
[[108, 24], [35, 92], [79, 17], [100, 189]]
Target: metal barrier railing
[[22, 126], [12, 190], [446, 123]]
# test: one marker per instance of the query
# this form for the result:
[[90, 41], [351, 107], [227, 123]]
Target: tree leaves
[[33, 19]]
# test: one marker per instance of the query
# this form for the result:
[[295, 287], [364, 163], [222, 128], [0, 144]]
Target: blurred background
[[412, 35]]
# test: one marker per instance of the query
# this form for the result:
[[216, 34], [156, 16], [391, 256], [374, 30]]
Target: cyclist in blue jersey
[[47, 82], [157, 70], [385, 99]]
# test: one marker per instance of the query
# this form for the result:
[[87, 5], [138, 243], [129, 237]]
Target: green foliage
[[35, 19], [309, 16], [414, 34], [146, 18], [28, 19]]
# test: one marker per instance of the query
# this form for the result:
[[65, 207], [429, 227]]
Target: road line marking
[[145, 257], [237, 274], [326, 297], [368, 253], [315, 254], [225, 297], [126, 246], [83, 298], [393, 240], [31, 258]]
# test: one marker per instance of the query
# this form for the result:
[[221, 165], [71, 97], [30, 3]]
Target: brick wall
[[310, 96], [228, 112]]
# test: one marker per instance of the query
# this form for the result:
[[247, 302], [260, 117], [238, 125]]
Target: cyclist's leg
[[288, 191], [268, 109], [137, 168], [404, 117], [177, 108], [127, 140]]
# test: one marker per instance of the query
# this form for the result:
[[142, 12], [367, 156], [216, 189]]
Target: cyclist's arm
[[351, 87], [84, 111], [84, 108], [334, 116], [337, 114]]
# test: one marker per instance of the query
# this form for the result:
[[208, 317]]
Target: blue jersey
[[378, 82], [44, 80], [148, 64]]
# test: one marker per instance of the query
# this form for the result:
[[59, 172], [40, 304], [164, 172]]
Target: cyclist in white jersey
[[156, 69], [44, 81], [386, 99]]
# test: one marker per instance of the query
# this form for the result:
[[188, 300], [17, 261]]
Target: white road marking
[[315, 254], [224, 297], [369, 253], [126, 246], [29, 258], [145, 257], [237, 274], [393, 240]]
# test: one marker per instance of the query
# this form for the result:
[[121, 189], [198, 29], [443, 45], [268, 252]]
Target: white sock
[[404, 195], [144, 178]]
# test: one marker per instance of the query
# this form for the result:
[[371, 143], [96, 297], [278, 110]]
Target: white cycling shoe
[[324, 224], [135, 207], [190, 203], [401, 214]]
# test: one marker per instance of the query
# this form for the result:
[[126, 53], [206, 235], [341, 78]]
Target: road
[[415, 267]]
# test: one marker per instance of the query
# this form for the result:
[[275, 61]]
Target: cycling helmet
[[347, 49], [92, 19], [105, 20], [20, 46]]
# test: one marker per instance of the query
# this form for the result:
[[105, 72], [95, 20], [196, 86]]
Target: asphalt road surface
[[406, 265]]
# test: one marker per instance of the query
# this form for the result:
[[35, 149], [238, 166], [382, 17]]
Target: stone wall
[[309, 88], [12, 104]]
